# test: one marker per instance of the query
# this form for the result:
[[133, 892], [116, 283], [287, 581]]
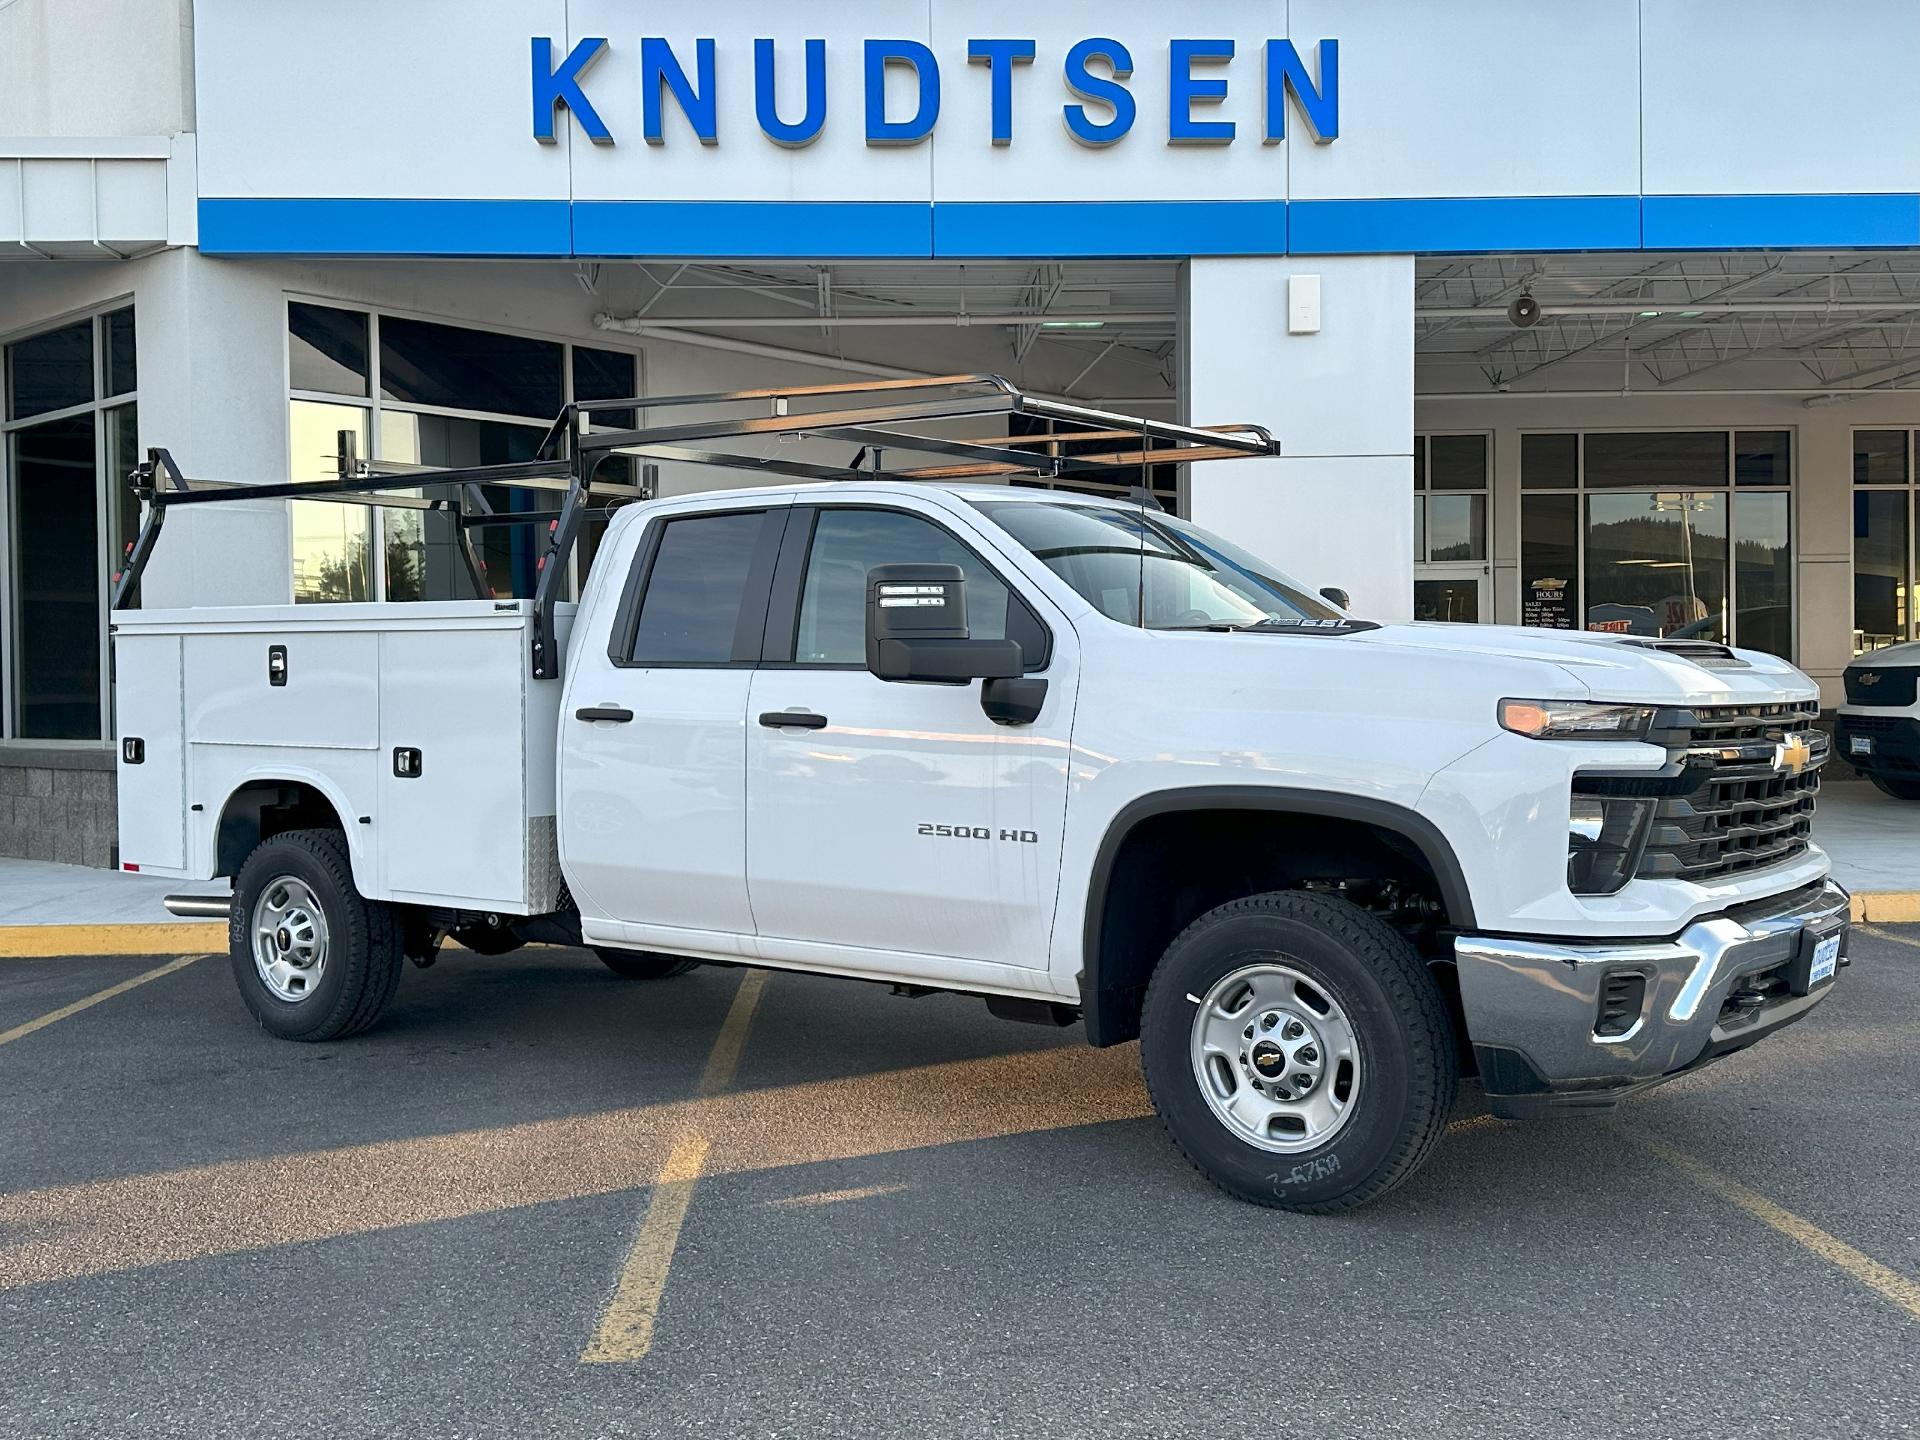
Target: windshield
[[1125, 560]]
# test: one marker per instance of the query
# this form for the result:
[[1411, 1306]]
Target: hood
[[1616, 667], [1888, 657]]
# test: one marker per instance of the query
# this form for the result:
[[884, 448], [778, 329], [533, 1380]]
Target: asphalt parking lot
[[539, 1200]]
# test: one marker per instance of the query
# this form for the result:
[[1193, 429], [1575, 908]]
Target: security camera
[[1524, 312]]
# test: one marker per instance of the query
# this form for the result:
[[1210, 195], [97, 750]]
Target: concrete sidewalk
[[1874, 842]]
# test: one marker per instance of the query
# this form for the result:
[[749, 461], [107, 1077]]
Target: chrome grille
[[1735, 810]]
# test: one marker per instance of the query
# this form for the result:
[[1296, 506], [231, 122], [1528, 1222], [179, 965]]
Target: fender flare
[[1413, 827]]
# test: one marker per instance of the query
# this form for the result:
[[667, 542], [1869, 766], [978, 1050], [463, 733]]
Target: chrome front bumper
[[1534, 1009]]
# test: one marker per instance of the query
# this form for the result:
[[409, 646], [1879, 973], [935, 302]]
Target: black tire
[[1898, 789], [364, 951], [1408, 1066], [644, 964]]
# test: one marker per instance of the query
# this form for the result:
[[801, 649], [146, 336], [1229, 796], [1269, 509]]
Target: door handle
[[793, 719], [619, 714]]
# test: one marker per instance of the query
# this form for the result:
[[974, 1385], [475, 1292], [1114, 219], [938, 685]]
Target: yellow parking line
[[1898, 1290], [625, 1332], [37, 942], [20, 1031], [1880, 934]]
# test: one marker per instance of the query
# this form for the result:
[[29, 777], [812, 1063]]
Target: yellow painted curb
[[1887, 907], [20, 942]]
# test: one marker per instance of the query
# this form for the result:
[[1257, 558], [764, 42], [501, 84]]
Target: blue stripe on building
[[743, 229]]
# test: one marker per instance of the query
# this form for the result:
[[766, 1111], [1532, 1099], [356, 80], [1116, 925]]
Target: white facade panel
[[359, 98], [1754, 97], [1477, 98]]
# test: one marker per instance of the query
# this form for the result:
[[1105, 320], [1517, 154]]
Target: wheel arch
[[1107, 979], [265, 803]]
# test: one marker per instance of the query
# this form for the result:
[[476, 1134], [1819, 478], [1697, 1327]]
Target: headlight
[[1605, 839], [1575, 720]]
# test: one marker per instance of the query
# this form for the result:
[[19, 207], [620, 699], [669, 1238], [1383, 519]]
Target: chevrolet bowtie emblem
[[1871, 677], [1793, 754]]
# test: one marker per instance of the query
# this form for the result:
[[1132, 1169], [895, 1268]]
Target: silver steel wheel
[[289, 938], [1276, 1058]]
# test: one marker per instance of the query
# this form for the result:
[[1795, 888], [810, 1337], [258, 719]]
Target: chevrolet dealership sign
[[899, 99]]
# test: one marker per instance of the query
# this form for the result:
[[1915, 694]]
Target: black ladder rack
[[882, 418]]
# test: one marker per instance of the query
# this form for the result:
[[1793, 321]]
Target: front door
[[653, 754], [901, 820], [1457, 593]]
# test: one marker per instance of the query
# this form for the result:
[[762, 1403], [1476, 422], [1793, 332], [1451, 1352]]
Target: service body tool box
[[420, 723]]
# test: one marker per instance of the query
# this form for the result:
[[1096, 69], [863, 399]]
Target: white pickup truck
[[1067, 753]]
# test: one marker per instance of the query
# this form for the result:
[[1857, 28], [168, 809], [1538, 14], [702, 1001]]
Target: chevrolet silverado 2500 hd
[[1068, 753]]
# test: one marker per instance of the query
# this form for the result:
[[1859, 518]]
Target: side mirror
[[917, 629], [1337, 596]]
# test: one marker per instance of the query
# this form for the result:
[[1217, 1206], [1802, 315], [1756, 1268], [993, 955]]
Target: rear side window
[[695, 587]]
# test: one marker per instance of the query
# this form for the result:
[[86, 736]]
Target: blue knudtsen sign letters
[[1098, 108]]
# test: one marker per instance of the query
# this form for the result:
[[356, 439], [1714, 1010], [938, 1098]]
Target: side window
[[695, 587], [848, 542]]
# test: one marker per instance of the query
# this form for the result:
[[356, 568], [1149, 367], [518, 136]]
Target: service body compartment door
[[153, 787], [454, 826]]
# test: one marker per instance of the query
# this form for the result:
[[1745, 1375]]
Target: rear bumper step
[[200, 907]]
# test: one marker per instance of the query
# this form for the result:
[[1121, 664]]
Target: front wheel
[[644, 964], [313, 960], [1898, 789], [1298, 1052]]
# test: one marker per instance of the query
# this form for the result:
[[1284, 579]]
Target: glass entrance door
[[1459, 594]]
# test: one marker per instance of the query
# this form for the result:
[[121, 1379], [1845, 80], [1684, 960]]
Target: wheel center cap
[[1269, 1061]]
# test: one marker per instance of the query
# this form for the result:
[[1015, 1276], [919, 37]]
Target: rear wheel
[[1298, 1052], [1898, 789], [313, 960], [644, 964]]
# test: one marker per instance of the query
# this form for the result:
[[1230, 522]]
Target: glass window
[[1419, 462], [422, 556], [1457, 602], [1763, 573], [1187, 578], [56, 581], [422, 363], [122, 373], [695, 590], [1549, 462], [1456, 527], [1763, 457], [327, 349], [1675, 460], [1880, 578], [1550, 561], [1879, 457], [123, 453], [1657, 564], [1459, 462], [332, 542], [605, 375], [847, 543], [51, 371]]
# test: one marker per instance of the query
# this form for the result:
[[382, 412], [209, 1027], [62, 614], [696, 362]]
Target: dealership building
[[1592, 315]]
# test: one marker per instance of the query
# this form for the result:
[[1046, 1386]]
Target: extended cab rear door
[[896, 818], [652, 746]]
